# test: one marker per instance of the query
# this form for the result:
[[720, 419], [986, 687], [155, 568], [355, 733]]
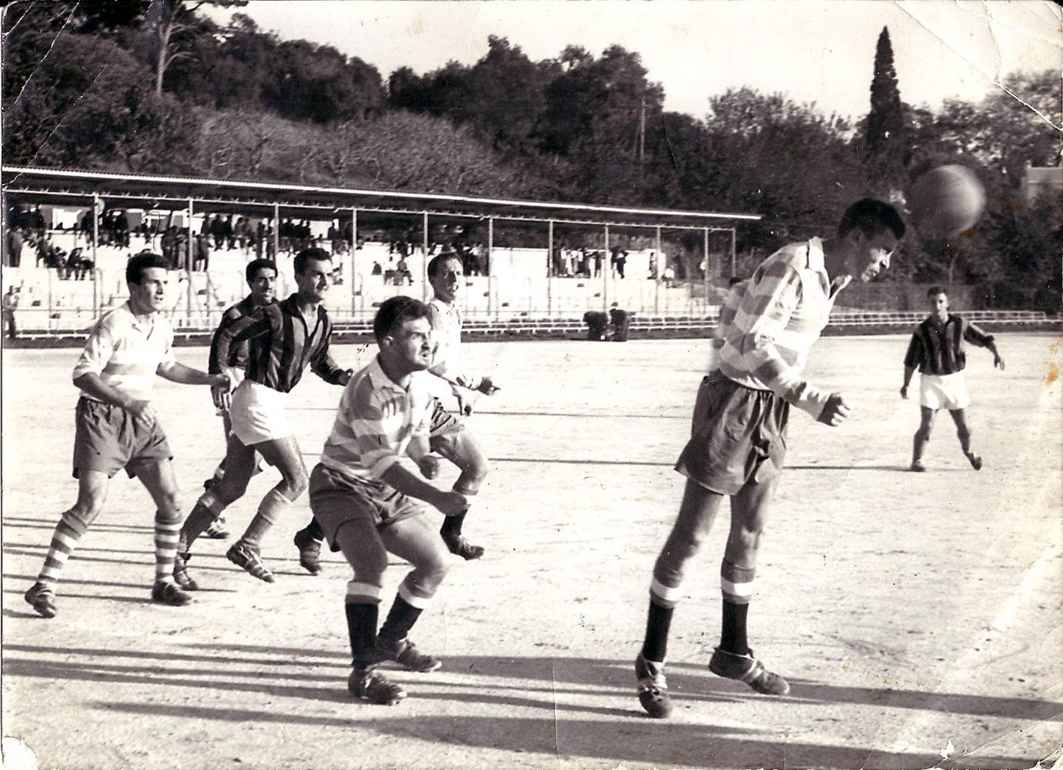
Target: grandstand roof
[[62, 187]]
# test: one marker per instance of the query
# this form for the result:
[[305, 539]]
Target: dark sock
[[314, 531], [199, 519], [361, 626], [452, 526], [658, 621], [400, 620], [733, 636]]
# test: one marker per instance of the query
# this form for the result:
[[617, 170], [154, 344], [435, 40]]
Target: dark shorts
[[738, 436], [336, 498], [108, 438]]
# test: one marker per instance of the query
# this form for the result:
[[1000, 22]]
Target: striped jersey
[[126, 351], [375, 422], [769, 323], [281, 344], [939, 349], [237, 353]]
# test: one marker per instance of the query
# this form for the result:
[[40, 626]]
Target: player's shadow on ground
[[641, 742], [19, 522], [550, 684]]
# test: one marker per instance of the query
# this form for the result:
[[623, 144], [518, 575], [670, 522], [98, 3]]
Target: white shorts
[[259, 413], [944, 391]]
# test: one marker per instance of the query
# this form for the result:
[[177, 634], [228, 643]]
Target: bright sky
[[812, 51]]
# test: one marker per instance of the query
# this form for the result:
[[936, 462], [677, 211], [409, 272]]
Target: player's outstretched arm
[[174, 371]]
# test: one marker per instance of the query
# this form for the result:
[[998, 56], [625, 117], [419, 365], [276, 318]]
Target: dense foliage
[[158, 87]]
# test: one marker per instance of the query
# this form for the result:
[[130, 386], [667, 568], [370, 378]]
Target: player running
[[284, 338], [261, 275], [117, 427]]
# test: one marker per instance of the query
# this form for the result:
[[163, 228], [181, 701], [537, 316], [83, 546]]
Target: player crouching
[[366, 499]]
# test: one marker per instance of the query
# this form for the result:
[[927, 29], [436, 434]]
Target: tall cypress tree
[[884, 142]]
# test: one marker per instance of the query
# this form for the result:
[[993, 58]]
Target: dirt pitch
[[918, 616]]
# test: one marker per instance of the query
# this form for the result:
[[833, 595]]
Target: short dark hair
[[871, 216], [257, 264], [933, 291], [311, 253], [145, 260], [436, 263], [394, 312]]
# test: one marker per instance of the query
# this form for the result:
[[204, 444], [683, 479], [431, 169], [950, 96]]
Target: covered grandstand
[[531, 261]]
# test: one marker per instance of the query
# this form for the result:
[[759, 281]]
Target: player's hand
[[142, 411], [220, 381], [429, 465], [904, 391], [452, 503], [464, 404], [221, 397], [998, 362], [487, 387], [835, 412]]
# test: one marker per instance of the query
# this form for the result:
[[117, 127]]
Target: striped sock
[[68, 532], [167, 531]]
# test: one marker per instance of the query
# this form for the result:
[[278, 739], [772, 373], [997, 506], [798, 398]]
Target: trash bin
[[621, 321], [597, 322]]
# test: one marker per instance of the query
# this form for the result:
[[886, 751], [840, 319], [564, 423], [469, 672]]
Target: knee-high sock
[[362, 607], [270, 509], [167, 529], [663, 600], [404, 613], [736, 585], [314, 531], [207, 508], [68, 532]]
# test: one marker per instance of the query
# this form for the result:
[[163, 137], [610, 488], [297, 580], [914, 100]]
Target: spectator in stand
[[201, 254], [37, 221], [243, 234], [120, 227], [227, 233], [10, 305], [13, 247], [653, 266], [621, 262], [402, 273], [669, 276], [87, 225], [216, 229]]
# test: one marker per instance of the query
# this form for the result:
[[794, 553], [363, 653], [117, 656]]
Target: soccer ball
[[946, 201]]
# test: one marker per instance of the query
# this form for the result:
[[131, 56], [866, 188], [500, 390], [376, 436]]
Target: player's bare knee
[[168, 511], [295, 485], [81, 515], [743, 544]]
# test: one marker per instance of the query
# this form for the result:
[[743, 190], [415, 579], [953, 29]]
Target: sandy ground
[[917, 616]]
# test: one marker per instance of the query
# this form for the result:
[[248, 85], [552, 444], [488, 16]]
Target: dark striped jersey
[[237, 353], [941, 349], [281, 344]]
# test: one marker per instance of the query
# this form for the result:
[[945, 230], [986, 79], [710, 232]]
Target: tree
[[884, 138], [167, 20], [89, 104]]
